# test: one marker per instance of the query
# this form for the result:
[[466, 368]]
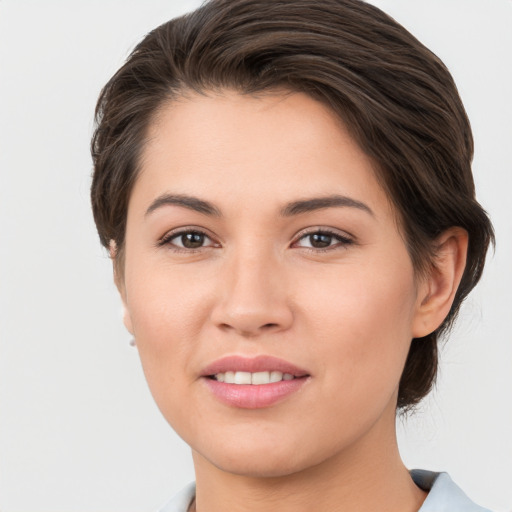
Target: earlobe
[[438, 289], [127, 321]]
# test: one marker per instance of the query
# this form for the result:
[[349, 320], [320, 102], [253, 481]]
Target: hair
[[397, 99]]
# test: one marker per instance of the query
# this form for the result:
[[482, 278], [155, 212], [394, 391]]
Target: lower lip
[[248, 396]]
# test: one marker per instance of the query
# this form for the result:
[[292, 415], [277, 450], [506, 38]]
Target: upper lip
[[252, 365]]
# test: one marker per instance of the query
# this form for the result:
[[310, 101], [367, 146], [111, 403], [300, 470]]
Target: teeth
[[242, 378], [260, 378], [256, 378], [276, 376]]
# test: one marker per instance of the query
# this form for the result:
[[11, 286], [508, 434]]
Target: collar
[[443, 494]]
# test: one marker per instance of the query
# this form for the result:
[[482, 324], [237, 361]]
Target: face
[[267, 285]]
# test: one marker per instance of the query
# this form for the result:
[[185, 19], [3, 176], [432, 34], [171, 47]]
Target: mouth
[[255, 379], [253, 383]]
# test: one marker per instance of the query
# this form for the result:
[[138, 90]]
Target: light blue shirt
[[443, 495]]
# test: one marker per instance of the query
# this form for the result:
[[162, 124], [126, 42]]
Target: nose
[[253, 296]]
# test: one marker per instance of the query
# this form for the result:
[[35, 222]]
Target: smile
[[256, 378], [253, 383]]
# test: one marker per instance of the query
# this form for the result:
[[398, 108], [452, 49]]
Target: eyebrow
[[190, 202], [289, 210], [319, 203]]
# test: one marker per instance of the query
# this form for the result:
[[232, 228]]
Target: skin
[[256, 286]]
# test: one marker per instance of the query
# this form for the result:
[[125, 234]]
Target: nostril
[[250, 332]]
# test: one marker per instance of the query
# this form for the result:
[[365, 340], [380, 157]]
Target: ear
[[438, 288], [119, 282]]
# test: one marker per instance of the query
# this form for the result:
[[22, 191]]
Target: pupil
[[192, 240], [320, 240]]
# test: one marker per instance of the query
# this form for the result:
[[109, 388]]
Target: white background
[[78, 429]]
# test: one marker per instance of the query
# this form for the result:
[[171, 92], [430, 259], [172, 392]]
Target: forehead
[[276, 146]]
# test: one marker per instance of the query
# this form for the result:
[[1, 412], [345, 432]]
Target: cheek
[[167, 305], [168, 311], [361, 325]]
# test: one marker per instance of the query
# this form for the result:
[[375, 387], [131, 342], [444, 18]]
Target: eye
[[322, 239], [187, 240]]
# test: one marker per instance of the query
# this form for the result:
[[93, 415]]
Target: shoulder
[[181, 501], [444, 495]]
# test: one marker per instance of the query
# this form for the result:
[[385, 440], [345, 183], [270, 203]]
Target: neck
[[360, 478]]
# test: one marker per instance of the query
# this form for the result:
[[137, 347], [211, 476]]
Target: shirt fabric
[[443, 495]]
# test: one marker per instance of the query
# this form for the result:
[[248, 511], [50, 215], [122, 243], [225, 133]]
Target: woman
[[285, 190]]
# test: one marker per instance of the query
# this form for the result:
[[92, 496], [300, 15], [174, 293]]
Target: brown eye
[[320, 240], [192, 240], [189, 239], [323, 240]]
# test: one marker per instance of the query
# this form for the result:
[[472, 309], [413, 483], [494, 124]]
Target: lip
[[252, 364], [248, 396]]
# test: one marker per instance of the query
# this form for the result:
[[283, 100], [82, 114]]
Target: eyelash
[[342, 241], [168, 238]]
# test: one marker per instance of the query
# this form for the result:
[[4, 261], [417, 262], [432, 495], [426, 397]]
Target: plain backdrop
[[78, 428]]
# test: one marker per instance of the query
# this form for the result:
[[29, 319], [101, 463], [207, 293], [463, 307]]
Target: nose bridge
[[254, 296]]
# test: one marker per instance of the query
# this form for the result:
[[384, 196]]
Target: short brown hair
[[395, 96]]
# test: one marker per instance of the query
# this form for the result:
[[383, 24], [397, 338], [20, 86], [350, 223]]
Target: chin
[[269, 458], [264, 467]]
